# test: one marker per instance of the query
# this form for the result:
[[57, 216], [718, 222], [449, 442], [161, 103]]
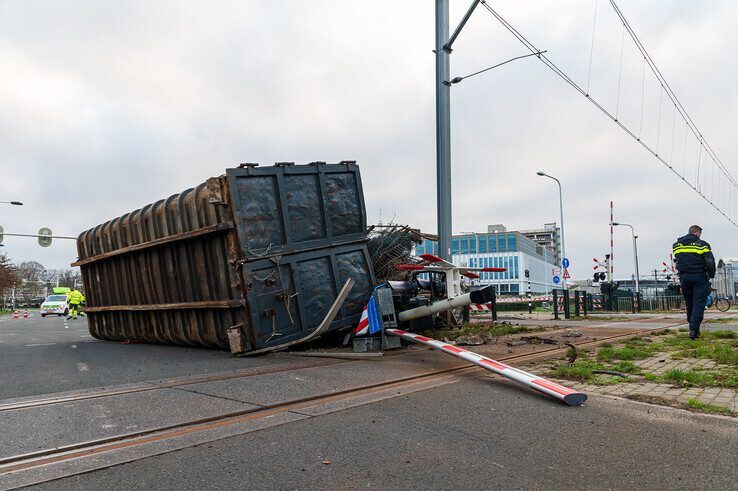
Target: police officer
[[696, 266]]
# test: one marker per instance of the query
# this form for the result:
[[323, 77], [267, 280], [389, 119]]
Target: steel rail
[[118, 442], [197, 379], [172, 384]]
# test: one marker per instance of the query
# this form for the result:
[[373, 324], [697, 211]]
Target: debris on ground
[[517, 342], [470, 340], [391, 245], [572, 334], [538, 340]]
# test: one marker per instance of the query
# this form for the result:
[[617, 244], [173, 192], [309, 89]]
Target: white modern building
[[726, 278], [501, 248]]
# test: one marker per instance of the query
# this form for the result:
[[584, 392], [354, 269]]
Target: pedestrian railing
[[663, 302]]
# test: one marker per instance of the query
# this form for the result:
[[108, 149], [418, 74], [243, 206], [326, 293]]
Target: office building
[[501, 248]]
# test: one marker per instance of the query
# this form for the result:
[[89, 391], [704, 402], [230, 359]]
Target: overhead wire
[[670, 92], [456, 80], [592, 44], [558, 71]]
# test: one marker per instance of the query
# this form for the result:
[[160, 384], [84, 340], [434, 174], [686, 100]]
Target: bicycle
[[720, 303]]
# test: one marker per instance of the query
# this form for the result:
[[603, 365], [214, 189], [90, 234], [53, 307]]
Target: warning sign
[[566, 274]]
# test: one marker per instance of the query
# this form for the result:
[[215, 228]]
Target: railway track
[[61, 454], [197, 379]]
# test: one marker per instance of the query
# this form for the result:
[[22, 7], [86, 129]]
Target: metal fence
[[662, 302]]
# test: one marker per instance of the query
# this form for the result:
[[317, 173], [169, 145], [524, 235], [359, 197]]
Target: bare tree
[[8, 277], [64, 277]]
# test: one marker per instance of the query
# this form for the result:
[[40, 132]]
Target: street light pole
[[561, 209], [443, 131], [635, 253]]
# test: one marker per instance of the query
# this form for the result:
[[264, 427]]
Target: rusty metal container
[[262, 249]]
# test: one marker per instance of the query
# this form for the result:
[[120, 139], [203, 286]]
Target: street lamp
[[16, 203], [635, 252], [561, 209]]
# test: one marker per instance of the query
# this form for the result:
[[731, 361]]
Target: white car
[[55, 304]]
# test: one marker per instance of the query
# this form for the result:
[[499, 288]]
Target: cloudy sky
[[106, 106]]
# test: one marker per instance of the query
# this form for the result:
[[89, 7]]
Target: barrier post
[[493, 304], [555, 303], [584, 304], [577, 298], [567, 314]]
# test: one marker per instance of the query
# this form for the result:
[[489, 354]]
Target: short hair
[[694, 229]]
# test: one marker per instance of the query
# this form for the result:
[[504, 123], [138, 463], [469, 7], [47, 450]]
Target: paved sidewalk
[[659, 365], [709, 395]]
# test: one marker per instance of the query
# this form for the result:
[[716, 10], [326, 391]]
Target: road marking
[[39, 344], [74, 346], [85, 336], [82, 367]]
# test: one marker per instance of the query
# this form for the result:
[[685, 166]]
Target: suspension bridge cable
[[558, 71]]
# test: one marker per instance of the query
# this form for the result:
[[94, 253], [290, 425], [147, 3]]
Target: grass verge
[[722, 320], [719, 346], [707, 408], [693, 405], [486, 331]]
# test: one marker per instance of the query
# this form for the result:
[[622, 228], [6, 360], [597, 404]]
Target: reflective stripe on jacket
[[693, 255], [75, 297]]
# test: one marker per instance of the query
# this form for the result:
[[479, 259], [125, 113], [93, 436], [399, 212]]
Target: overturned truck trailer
[[262, 251]]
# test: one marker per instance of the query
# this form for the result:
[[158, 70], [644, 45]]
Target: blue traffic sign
[[556, 280], [565, 262]]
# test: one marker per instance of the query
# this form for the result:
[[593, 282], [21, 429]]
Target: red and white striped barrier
[[483, 307], [569, 396]]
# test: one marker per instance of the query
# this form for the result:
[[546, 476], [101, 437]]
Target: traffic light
[[599, 277], [527, 273]]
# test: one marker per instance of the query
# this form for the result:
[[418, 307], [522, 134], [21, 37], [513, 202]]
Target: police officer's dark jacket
[[693, 256]]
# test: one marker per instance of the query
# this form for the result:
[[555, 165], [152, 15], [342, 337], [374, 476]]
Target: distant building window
[[482, 244], [455, 245], [501, 245], [511, 242], [464, 245], [492, 242]]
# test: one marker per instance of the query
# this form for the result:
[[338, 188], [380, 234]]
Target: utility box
[[264, 250]]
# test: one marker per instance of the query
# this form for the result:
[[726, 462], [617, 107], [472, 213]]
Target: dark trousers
[[695, 289]]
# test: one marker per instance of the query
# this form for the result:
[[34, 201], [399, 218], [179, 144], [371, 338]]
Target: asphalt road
[[46, 355], [478, 433]]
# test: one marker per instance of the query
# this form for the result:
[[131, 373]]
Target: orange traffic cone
[[25, 314], [15, 314]]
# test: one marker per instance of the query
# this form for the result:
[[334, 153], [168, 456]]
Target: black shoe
[[693, 336]]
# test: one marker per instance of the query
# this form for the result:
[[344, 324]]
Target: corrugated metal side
[[166, 273]]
